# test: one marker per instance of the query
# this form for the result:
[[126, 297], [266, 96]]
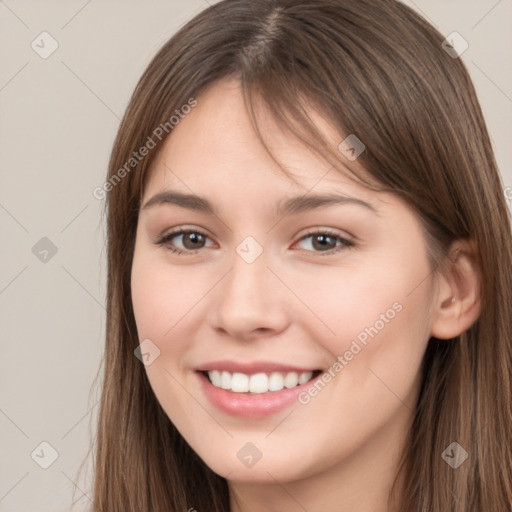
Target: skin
[[294, 304]]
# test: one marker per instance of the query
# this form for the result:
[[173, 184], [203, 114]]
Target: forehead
[[216, 145]]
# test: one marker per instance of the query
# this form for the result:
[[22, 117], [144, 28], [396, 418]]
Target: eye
[[191, 240], [326, 242]]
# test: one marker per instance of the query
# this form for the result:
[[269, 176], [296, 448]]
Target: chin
[[245, 466]]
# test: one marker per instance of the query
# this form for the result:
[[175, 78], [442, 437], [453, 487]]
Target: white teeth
[[276, 382], [216, 378], [225, 380], [258, 382], [240, 383], [304, 377], [291, 379]]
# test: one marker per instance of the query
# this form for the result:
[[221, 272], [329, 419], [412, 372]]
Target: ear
[[457, 303]]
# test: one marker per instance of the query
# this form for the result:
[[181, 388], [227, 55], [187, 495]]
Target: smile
[[253, 390], [258, 382]]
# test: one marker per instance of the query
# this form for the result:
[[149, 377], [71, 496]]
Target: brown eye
[[325, 242], [193, 240], [190, 241]]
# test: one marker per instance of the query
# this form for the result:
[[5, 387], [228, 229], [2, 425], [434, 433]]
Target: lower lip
[[247, 405]]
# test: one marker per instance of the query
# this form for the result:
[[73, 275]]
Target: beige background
[[58, 120]]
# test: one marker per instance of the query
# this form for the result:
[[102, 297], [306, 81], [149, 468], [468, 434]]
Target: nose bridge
[[247, 283], [249, 296]]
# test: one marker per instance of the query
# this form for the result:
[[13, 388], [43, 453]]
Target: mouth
[[260, 382], [254, 390]]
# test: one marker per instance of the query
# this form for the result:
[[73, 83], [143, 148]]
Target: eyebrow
[[291, 206]]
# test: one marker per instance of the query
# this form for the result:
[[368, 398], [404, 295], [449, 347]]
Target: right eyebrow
[[190, 201]]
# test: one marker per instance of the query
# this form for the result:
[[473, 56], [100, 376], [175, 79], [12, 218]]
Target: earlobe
[[457, 304]]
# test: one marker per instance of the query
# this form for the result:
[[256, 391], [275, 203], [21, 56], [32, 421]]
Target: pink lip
[[248, 405], [252, 367]]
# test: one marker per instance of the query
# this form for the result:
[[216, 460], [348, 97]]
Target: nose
[[250, 302]]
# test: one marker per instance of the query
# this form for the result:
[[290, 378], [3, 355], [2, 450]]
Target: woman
[[309, 272]]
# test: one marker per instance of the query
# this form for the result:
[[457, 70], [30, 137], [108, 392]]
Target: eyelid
[[178, 230], [329, 231]]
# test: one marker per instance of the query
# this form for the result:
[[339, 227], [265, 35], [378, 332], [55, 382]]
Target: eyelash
[[165, 240]]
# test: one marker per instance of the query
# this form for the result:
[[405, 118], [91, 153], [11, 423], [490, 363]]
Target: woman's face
[[321, 308]]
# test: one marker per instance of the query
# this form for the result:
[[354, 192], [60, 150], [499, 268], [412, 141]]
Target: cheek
[[375, 316], [163, 301], [168, 304], [163, 296], [349, 301]]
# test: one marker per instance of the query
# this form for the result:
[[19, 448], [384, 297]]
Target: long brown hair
[[376, 69]]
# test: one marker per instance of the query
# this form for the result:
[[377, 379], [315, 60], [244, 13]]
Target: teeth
[[275, 382], [216, 378], [304, 377], [291, 379], [240, 383], [258, 382], [225, 380]]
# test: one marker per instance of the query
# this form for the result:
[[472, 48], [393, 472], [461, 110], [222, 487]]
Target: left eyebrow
[[299, 204]]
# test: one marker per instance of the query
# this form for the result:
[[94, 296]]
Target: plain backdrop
[[58, 119]]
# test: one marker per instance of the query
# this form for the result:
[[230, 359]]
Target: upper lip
[[253, 367]]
